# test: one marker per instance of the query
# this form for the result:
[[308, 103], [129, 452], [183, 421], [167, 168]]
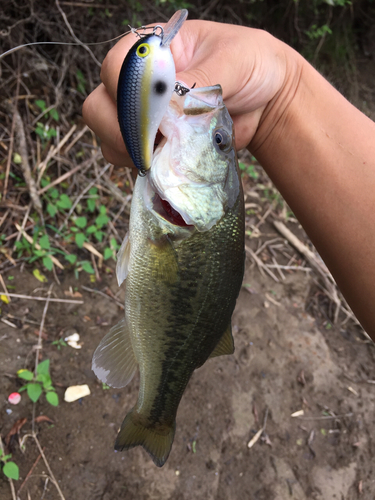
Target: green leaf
[[81, 222], [44, 242], [99, 235], [34, 391], [86, 266], [64, 202], [54, 114], [91, 203], [11, 470], [47, 263], [43, 378], [102, 210], [53, 193], [71, 258], [108, 253], [51, 209], [43, 367], [101, 220], [25, 374], [114, 244], [52, 398], [41, 104], [51, 132], [91, 229], [80, 238]]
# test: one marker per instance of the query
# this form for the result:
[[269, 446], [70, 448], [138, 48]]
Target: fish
[[145, 87], [182, 265]]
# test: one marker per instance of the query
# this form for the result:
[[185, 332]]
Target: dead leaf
[[17, 426], [70, 293], [43, 418]]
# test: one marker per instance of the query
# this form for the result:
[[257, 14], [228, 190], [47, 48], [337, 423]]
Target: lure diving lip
[[145, 87]]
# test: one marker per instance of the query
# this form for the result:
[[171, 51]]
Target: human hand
[[257, 72]]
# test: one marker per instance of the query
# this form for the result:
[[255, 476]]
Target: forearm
[[321, 156]]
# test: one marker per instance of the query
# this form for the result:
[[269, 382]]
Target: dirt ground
[[288, 358], [283, 362]]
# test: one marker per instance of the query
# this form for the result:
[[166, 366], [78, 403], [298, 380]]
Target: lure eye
[[143, 50], [222, 140]]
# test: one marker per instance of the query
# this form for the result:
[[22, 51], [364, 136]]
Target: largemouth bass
[[182, 262]]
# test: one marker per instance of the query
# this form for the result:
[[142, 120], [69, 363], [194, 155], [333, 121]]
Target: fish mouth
[[165, 210], [159, 137]]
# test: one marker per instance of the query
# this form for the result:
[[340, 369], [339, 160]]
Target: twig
[[48, 467], [77, 137], [260, 264], [74, 36], [319, 266], [30, 472], [52, 152], [30, 297], [69, 173], [10, 152], [4, 287], [22, 145], [103, 295], [326, 417], [254, 439]]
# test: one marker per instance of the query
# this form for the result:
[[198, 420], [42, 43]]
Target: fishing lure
[[145, 87]]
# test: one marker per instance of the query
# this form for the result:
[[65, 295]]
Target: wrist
[[277, 112]]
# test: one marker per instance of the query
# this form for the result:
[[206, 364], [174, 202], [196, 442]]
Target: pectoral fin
[[114, 362], [123, 258], [225, 345]]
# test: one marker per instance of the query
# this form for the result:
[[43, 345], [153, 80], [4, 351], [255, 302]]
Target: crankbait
[[145, 87]]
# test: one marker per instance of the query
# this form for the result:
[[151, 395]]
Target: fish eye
[[222, 140], [143, 50]]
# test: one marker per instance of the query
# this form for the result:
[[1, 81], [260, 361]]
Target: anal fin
[[114, 361], [225, 344]]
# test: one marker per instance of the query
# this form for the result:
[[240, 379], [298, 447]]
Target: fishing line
[[131, 30]]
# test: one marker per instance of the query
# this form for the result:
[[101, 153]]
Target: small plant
[[40, 383], [248, 170], [10, 468], [44, 131], [59, 344]]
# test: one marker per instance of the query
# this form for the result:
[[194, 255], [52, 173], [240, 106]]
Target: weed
[[59, 343], [10, 468], [39, 383], [248, 170], [44, 130]]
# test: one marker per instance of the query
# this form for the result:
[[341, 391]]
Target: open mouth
[[159, 137], [165, 210]]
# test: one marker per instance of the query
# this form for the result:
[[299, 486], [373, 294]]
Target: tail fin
[[133, 433]]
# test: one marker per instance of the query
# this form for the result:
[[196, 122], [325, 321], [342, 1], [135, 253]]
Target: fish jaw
[[188, 169]]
